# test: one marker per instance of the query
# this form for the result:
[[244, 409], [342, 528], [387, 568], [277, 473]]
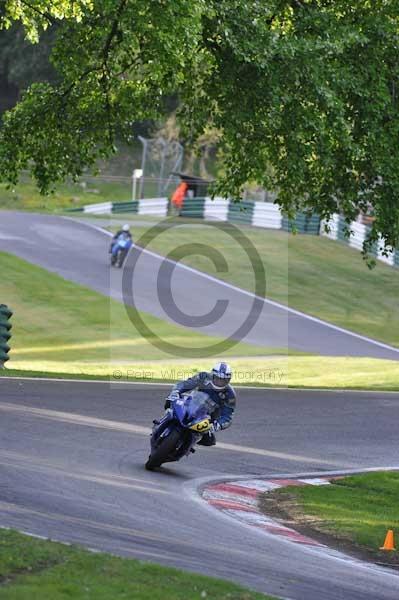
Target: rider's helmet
[[221, 375], [126, 227]]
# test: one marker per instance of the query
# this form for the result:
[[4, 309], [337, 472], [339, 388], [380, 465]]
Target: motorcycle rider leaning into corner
[[124, 231], [217, 385]]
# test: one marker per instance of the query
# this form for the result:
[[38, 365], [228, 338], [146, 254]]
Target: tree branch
[[129, 65], [107, 103], [47, 16], [113, 31], [79, 79]]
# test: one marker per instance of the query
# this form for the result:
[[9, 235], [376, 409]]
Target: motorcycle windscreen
[[198, 406]]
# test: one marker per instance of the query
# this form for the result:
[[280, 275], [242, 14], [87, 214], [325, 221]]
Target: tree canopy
[[304, 93]]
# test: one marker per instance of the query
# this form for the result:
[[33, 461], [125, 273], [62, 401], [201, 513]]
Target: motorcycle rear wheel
[[121, 258], [162, 452]]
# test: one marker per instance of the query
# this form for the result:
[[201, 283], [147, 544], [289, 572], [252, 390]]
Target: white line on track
[[247, 293], [238, 387], [36, 464], [77, 419]]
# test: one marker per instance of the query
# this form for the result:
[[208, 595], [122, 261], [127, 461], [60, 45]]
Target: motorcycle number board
[[202, 426]]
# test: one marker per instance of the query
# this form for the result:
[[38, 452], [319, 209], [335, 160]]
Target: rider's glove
[[215, 427], [173, 396]]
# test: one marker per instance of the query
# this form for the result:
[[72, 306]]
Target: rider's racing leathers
[[115, 238]]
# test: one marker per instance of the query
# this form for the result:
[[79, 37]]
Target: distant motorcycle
[[176, 434], [120, 249]]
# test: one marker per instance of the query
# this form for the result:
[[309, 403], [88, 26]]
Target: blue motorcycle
[[183, 425], [119, 251]]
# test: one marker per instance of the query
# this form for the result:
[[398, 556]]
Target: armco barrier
[[333, 225], [103, 207], [148, 206], [193, 208], [128, 207], [216, 209], [156, 207], [338, 228], [258, 214], [342, 230], [267, 215], [359, 234], [303, 223], [241, 212]]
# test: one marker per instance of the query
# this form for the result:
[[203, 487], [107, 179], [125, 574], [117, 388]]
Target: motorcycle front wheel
[[163, 450]]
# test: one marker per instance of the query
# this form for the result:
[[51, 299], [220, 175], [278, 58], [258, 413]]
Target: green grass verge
[[287, 372], [358, 509], [32, 568], [309, 273]]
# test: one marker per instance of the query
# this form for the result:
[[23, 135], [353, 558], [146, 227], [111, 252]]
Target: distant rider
[[217, 385], [125, 231]]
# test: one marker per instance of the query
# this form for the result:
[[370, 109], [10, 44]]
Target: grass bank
[[293, 371], [58, 321], [25, 196], [355, 512], [32, 568], [309, 273], [64, 329]]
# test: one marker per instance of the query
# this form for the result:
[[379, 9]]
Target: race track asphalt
[[71, 464], [78, 252]]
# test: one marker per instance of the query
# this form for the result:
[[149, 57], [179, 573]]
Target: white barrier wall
[[357, 237], [155, 207], [333, 225], [148, 206], [218, 208], [389, 260], [98, 209], [262, 214], [267, 215]]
